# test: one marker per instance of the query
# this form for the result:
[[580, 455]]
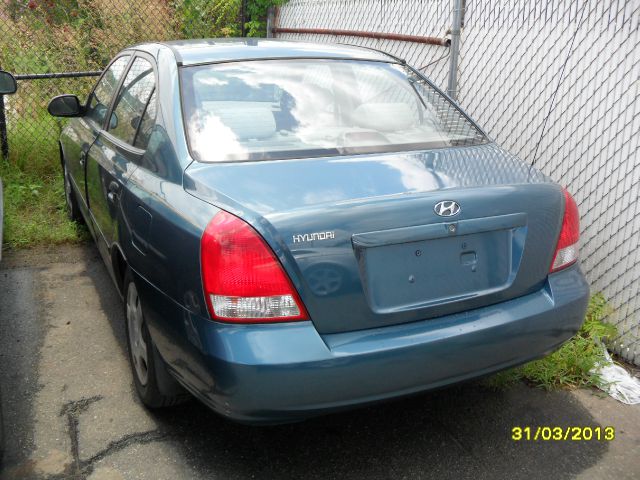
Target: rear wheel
[[154, 384], [73, 210]]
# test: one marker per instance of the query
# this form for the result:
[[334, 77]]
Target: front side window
[[133, 100], [277, 109], [100, 99]]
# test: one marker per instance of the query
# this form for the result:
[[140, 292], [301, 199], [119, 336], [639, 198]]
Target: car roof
[[212, 50]]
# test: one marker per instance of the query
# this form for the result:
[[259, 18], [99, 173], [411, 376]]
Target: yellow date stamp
[[562, 434]]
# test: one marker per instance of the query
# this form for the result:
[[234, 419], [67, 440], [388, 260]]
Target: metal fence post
[[243, 18], [452, 86], [4, 142], [271, 15]]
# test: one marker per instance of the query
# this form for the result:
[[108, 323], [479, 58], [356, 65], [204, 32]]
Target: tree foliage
[[257, 16], [209, 18], [223, 18]]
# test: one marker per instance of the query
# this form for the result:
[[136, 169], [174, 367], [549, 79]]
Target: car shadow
[[459, 432]]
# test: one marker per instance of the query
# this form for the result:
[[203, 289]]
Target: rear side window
[[132, 101], [100, 98], [146, 126]]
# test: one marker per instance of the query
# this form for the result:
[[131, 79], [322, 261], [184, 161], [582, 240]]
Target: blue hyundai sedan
[[299, 228]]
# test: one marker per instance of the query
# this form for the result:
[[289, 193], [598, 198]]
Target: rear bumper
[[279, 373]]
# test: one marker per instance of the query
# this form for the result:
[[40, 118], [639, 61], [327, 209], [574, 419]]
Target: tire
[[154, 385], [73, 209]]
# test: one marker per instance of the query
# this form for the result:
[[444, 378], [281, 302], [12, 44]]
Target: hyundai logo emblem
[[446, 208]]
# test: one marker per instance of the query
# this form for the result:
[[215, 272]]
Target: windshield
[[277, 109]]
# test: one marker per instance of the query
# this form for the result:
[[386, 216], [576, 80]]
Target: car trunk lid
[[364, 245]]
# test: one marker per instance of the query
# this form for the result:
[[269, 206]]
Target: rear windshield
[[278, 109]]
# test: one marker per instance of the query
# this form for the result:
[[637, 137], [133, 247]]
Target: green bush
[[257, 16], [209, 18]]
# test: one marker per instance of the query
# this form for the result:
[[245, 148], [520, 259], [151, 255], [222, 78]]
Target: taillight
[[567, 249], [243, 280]]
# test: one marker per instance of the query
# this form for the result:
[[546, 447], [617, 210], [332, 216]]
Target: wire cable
[[436, 60], [553, 98]]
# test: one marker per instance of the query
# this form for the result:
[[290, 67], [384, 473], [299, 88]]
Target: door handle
[[112, 191], [83, 158]]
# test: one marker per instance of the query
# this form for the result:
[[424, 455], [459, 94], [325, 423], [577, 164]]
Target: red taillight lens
[[243, 280], [567, 249]]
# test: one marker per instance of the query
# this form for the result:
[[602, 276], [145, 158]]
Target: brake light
[[567, 249], [243, 280]]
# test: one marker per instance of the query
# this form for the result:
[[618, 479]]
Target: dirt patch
[[44, 255]]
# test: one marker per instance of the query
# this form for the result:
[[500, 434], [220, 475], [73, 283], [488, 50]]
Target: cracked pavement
[[71, 413]]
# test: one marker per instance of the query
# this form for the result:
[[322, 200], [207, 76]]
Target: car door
[[83, 131], [118, 148]]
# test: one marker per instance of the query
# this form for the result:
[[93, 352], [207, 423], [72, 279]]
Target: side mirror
[[65, 106], [8, 84], [113, 121]]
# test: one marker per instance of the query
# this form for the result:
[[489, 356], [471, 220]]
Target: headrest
[[384, 117], [248, 121]]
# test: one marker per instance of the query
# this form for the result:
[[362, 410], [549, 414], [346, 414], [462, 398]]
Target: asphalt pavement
[[71, 413]]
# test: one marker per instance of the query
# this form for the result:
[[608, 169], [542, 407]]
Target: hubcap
[[137, 344]]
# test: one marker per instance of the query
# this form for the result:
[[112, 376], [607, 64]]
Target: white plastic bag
[[616, 381]]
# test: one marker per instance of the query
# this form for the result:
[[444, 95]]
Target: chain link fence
[[556, 82], [421, 18], [561, 87]]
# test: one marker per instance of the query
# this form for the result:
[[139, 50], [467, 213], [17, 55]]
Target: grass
[[34, 205], [571, 365]]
